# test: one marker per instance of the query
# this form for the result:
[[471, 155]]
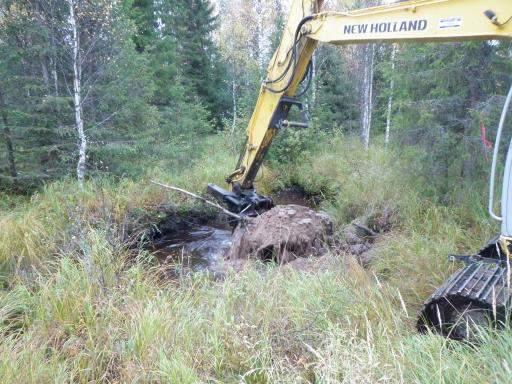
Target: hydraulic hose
[[293, 58], [495, 155]]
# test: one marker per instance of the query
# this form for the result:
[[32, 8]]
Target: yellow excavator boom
[[419, 21]]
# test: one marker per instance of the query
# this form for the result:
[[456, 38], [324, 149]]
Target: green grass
[[77, 306], [36, 230]]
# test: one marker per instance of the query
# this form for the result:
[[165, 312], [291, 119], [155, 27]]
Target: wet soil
[[295, 196], [200, 243]]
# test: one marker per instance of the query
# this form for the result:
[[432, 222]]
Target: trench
[[200, 245], [296, 195]]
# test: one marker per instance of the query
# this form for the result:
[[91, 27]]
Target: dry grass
[[80, 309]]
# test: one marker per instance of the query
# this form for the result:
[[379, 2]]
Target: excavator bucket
[[242, 202]]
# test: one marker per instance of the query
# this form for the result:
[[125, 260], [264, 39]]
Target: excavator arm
[[417, 21], [479, 294]]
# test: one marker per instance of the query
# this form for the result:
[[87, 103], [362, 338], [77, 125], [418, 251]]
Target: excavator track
[[478, 295]]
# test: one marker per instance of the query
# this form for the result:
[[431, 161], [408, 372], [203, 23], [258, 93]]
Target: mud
[[295, 196], [283, 234], [147, 228], [203, 241], [294, 234], [193, 239]]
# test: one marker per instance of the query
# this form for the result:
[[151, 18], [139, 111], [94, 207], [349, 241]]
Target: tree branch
[[234, 215]]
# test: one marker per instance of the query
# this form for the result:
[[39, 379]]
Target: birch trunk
[[233, 95], [367, 95], [53, 64], [8, 139], [313, 81], [259, 34], [370, 97], [46, 76], [77, 98], [391, 94]]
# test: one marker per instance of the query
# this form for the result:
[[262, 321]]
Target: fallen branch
[[238, 217]]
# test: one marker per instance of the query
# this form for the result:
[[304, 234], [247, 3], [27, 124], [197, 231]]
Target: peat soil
[[295, 195]]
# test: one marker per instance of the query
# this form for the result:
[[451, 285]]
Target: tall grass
[[79, 307], [357, 183], [34, 231]]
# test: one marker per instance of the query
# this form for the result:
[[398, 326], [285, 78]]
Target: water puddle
[[197, 248], [194, 246]]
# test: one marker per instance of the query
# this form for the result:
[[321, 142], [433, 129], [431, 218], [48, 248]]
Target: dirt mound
[[282, 234]]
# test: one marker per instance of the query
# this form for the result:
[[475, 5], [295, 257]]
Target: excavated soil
[[282, 234]]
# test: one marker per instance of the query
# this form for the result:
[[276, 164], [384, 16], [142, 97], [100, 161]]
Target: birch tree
[[108, 81], [391, 94], [245, 33], [367, 94], [77, 94], [234, 45]]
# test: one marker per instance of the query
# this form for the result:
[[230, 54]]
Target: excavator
[[478, 294]]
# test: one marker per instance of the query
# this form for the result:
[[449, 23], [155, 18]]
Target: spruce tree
[[443, 93], [192, 24], [142, 13], [335, 103]]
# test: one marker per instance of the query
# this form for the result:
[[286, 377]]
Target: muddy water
[[200, 247], [197, 248]]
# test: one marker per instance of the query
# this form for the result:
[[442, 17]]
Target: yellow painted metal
[[422, 21], [259, 134], [419, 20], [506, 245]]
